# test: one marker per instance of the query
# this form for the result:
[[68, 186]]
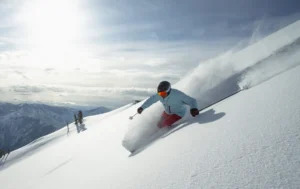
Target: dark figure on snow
[[80, 117], [2, 153], [80, 120], [174, 102], [68, 129], [76, 123]]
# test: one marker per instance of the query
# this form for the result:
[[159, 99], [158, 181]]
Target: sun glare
[[53, 28]]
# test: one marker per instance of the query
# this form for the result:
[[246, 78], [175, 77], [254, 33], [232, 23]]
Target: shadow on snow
[[205, 117]]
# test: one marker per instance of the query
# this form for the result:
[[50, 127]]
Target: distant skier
[[80, 120], [174, 102], [76, 123], [80, 117], [68, 129]]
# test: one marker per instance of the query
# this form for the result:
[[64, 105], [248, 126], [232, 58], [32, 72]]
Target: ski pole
[[131, 117]]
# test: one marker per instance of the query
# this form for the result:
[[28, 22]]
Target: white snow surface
[[250, 140]]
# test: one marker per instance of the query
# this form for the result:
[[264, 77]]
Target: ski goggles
[[163, 93]]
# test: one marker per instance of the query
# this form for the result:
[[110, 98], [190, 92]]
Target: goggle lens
[[163, 93]]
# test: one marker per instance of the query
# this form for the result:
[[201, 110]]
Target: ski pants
[[167, 120]]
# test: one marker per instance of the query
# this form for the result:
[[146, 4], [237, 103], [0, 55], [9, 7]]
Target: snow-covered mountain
[[250, 140], [23, 123], [96, 111]]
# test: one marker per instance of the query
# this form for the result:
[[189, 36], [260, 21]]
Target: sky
[[111, 52]]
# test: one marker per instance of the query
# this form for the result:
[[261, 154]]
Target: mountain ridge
[[22, 123]]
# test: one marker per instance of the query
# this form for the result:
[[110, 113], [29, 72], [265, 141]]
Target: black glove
[[140, 110], [194, 112]]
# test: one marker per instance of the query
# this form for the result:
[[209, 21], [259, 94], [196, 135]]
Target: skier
[[68, 129], [76, 123], [80, 117], [174, 102]]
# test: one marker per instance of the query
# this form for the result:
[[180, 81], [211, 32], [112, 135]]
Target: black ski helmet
[[163, 86]]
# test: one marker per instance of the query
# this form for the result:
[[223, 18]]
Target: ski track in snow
[[58, 166]]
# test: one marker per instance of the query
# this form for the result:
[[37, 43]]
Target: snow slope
[[224, 75], [250, 140]]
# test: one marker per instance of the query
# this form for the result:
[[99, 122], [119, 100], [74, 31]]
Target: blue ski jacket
[[174, 103]]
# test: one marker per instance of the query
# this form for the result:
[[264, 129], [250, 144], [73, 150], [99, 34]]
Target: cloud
[[26, 90], [12, 57], [144, 92], [21, 74], [89, 96], [126, 49], [49, 70]]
